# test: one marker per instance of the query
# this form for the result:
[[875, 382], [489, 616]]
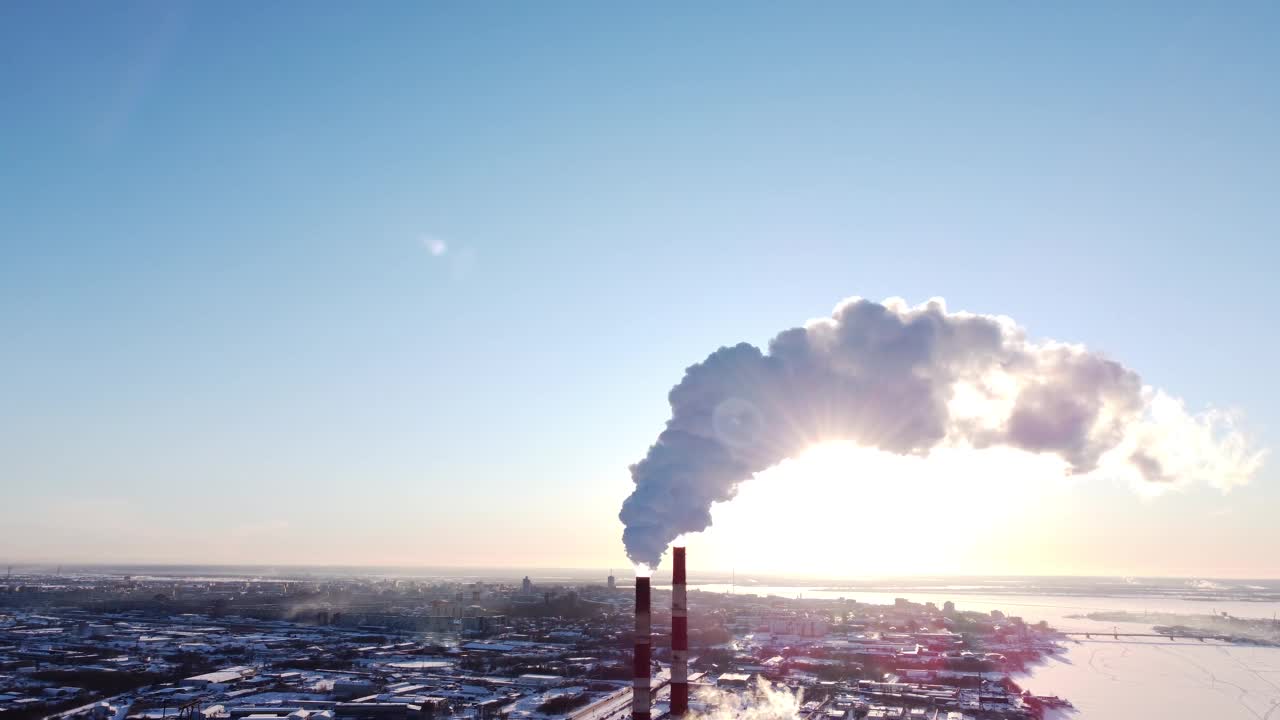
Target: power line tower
[[189, 710]]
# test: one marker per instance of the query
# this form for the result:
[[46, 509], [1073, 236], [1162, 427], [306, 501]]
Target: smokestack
[[640, 685], [679, 637]]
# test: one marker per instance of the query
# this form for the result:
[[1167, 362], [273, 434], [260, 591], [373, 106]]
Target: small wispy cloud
[[437, 246]]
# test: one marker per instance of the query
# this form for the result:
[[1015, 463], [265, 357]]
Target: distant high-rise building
[[613, 581], [526, 586]]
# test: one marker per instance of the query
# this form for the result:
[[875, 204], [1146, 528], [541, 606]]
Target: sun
[[843, 510]]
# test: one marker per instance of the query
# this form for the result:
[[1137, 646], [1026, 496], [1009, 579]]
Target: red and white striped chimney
[[679, 638], [640, 685]]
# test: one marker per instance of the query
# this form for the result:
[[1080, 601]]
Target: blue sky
[[222, 315]]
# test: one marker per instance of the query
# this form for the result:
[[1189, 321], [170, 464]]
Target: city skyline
[[272, 295]]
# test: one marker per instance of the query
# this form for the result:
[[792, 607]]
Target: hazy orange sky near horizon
[[809, 517]]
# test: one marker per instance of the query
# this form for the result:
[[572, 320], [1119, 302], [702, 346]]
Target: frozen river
[[1120, 680], [1109, 679]]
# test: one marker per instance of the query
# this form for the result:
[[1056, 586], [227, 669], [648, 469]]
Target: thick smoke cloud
[[905, 380]]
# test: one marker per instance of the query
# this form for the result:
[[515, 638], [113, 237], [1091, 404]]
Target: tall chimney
[[679, 638], [640, 684]]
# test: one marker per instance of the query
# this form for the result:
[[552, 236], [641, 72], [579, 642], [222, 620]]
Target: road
[[614, 707], [618, 705]]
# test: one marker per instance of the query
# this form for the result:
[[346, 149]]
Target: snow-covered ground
[[1184, 680]]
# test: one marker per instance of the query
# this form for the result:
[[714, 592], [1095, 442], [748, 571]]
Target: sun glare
[[840, 509]]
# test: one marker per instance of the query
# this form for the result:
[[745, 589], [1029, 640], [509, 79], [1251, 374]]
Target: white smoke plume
[[905, 380], [765, 703]]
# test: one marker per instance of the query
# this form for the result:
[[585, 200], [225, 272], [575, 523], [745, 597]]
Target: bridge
[[1117, 635]]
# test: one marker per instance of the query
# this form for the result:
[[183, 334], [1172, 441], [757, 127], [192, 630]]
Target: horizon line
[[589, 568]]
